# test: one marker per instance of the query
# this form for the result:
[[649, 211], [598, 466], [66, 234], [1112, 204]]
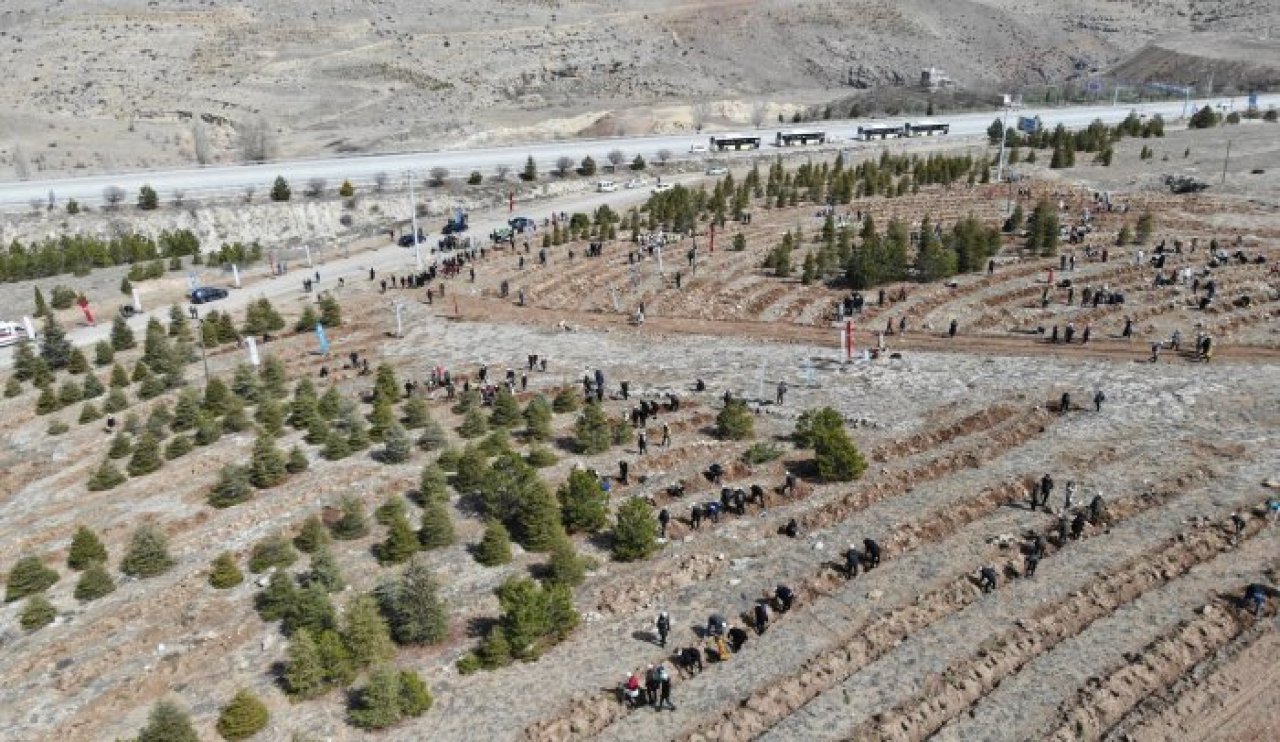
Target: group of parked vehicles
[[801, 137]]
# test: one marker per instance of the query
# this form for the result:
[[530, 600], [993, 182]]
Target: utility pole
[[1004, 136], [1225, 161], [413, 218], [203, 356]]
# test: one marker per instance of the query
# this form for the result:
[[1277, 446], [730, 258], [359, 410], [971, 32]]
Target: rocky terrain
[[95, 87]]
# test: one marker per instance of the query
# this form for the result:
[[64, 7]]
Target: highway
[[207, 182]]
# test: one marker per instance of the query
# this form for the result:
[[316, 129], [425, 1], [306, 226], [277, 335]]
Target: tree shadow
[[478, 627]]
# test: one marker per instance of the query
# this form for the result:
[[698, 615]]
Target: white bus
[[800, 136]]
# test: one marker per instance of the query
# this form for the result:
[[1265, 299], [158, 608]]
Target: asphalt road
[[196, 183]]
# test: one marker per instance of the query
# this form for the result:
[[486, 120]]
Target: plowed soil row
[[981, 420], [1156, 666], [968, 681], [863, 644]]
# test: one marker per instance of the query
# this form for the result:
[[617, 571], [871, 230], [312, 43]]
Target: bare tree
[[177, 198], [257, 141], [113, 195], [616, 158], [563, 164], [21, 163], [699, 114], [759, 111], [315, 187], [380, 182], [248, 193], [200, 143], [36, 204], [438, 175], [503, 171], [664, 155]]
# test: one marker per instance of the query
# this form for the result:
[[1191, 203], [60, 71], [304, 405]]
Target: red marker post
[[713, 239], [848, 340], [84, 307]]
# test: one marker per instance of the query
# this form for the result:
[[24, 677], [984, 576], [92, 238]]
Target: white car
[[718, 170], [606, 186], [635, 183], [660, 187], [695, 148]]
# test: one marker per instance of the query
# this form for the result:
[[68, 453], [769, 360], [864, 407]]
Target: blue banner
[[324, 341]]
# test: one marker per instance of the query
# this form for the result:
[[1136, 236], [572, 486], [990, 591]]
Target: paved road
[[214, 181]]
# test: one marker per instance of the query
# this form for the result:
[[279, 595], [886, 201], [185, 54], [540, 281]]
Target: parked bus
[[925, 128], [734, 142], [800, 136], [879, 131]]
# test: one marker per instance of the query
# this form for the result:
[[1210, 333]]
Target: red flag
[[84, 307], [848, 340], [713, 239]]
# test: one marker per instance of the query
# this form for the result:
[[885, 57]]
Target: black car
[[520, 223], [406, 240], [206, 294]]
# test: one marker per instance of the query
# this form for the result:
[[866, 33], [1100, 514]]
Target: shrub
[[534, 616], [232, 487], [297, 461], [37, 613], [89, 412], [243, 717], [272, 551], [324, 570], [280, 190], [312, 535], [148, 553], [178, 447], [761, 453], [224, 573], [565, 401], [12, 387], [583, 503], [167, 723], [86, 549], [495, 547], [540, 457], [412, 605], [735, 422], [58, 427], [106, 476], [28, 576], [353, 524], [94, 583], [635, 535]]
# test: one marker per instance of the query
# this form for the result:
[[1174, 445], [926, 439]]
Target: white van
[[606, 186]]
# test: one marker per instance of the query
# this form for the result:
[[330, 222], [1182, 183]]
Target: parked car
[[635, 183], [697, 147], [520, 223], [206, 294], [406, 240], [718, 170], [11, 333], [606, 186], [660, 187]]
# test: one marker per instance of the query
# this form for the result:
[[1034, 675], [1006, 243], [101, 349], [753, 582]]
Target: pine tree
[[146, 456], [365, 633], [495, 547], [55, 348], [68, 393], [37, 613], [77, 363], [148, 553], [377, 705], [42, 307], [47, 402], [28, 576], [324, 570], [274, 377], [306, 321], [437, 527], [278, 599], [330, 311], [584, 505], [735, 422], [208, 429], [473, 425], [433, 437], [537, 418], [244, 384], [353, 524], [391, 508], [217, 398], [432, 484], [415, 699], [396, 445], [382, 418], [331, 403], [94, 583], [272, 551], [167, 723], [106, 476], [89, 413], [312, 535], [86, 549], [506, 411], [235, 420], [120, 446], [12, 387], [121, 335], [280, 190], [267, 467], [185, 411], [92, 387], [24, 361], [311, 610], [591, 431], [635, 535], [335, 446], [385, 386], [565, 566], [243, 717], [339, 668], [119, 377], [270, 418], [416, 415], [224, 573], [412, 605], [297, 462], [116, 401], [357, 432], [565, 401], [401, 542], [304, 674]]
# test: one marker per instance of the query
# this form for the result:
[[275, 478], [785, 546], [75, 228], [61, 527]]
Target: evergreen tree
[[167, 723], [433, 437], [267, 467], [537, 418], [208, 428], [432, 484], [179, 327], [297, 461], [306, 321], [565, 401], [42, 307], [77, 363], [584, 504], [105, 477], [533, 615], [55, 348], [274, 377], [28, 576], [119, 377], [506, 411], [382, 418], [243, 717], [116, 401], [415, 413], [94, 583], [235, 420], [331, 404], [68, 393], [12, 387], [365, 633], [185, 411], [146, 456], [324, 570], [224, 573], [540, 457], [24, 361], [353, 524], [311, 610], [217, 398], [391, 508], [335, 446], [565, 566], [244, 384], [415, 699], [280, 190], [385, 386], [121, 335], [377, 705], [330, 311], [86, 549], [92, 387], [495, 547], [278, 599], [148, 553], [591, 431], [1146, 227], [412, 605], [89, 413], [473, 425], [312, 535], [272, 551], [339, 668], [304, 673], [37, 613], [735, 421], [401, 542], [270, 418], [357, 432], [635, 536], [437, 527], [47, 402]]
